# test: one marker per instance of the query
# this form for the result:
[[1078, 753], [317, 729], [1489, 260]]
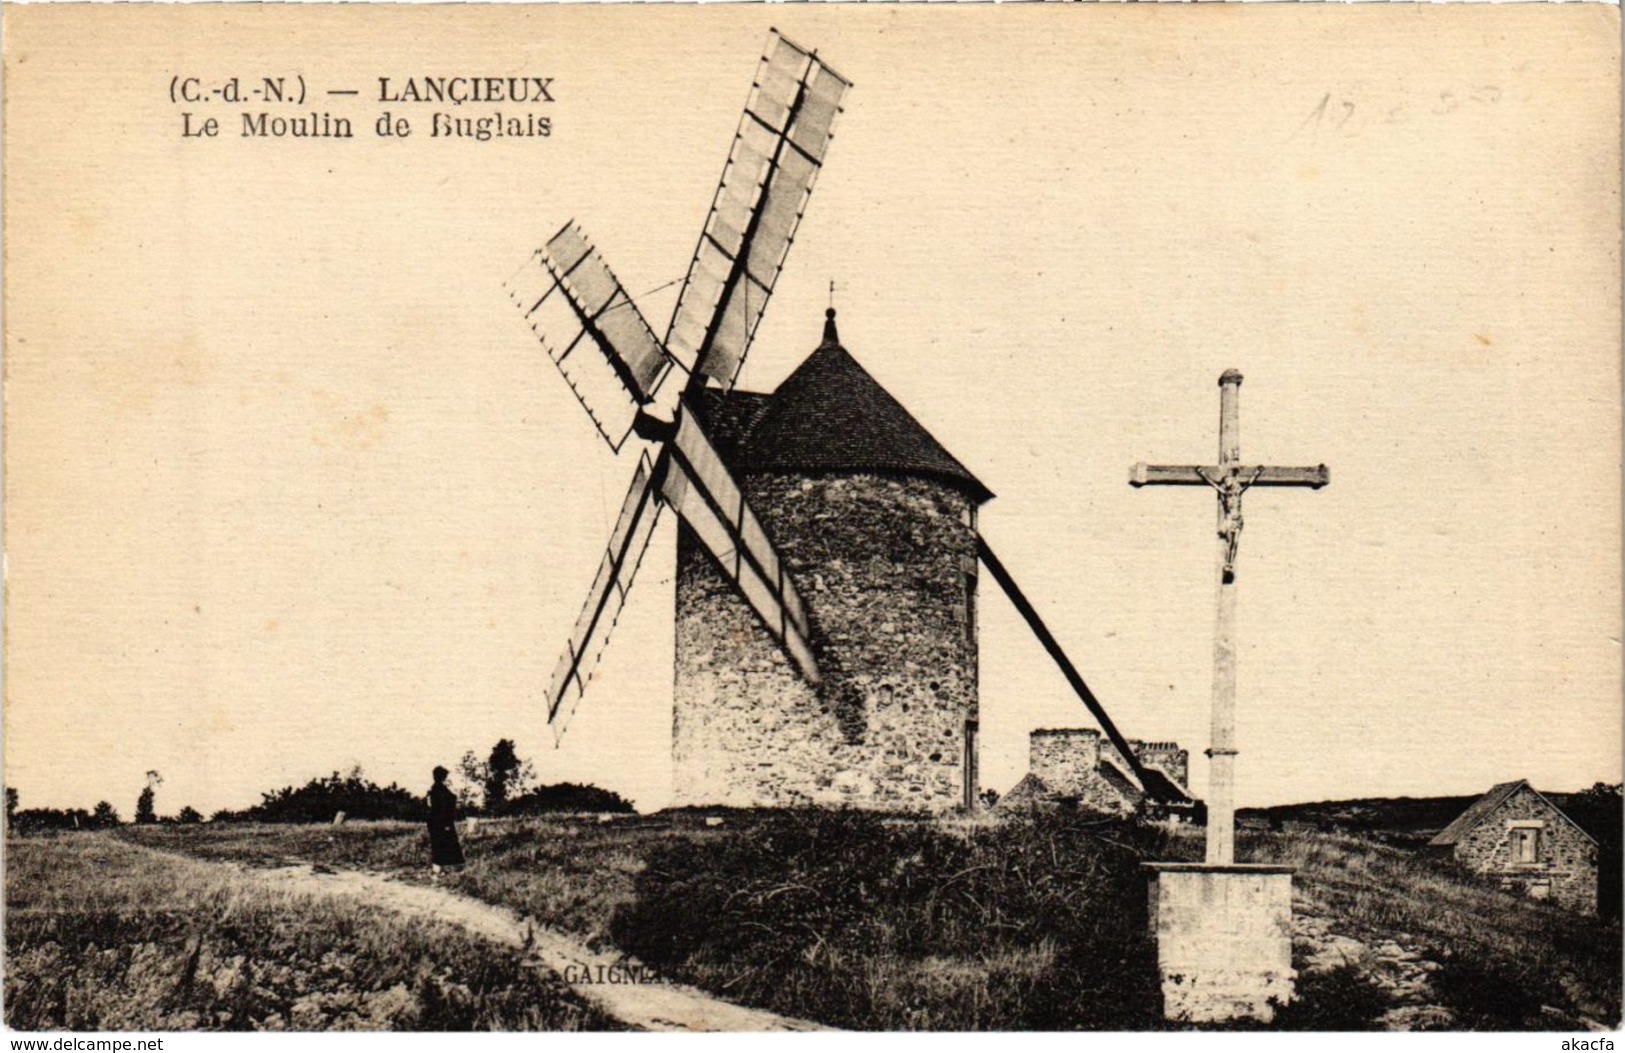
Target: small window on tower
[[970, 607]]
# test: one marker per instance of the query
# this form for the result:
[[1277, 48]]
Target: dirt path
[[648, 1006]]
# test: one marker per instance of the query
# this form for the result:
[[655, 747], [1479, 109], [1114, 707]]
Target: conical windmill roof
[[830, 415]]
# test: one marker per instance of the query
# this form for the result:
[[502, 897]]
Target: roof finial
[[830, 337]]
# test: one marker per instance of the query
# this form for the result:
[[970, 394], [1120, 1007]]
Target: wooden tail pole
[[1068, 670]]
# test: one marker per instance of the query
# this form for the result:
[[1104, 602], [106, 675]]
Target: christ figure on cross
[[1229, 479]]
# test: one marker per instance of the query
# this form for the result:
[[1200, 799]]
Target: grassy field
[[103, 934], [1410, 822], [1505, 963], [571, 874], [855, 920], [844, 918]]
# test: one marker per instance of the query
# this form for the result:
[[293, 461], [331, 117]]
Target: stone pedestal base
[[1224, 940]]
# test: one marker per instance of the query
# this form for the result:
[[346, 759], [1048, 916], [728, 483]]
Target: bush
[[45, 820], [857, 920], [39, 820], [566, 797], [1342, 999], [319, 799], [1490, 996]]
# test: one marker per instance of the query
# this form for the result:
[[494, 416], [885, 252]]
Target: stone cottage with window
[[1517, 836]]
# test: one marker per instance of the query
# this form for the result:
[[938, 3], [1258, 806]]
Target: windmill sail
[[699, 487], [627, 544], [776, 154], [591, 330]]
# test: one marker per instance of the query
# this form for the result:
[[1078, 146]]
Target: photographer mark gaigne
[[611, 974]]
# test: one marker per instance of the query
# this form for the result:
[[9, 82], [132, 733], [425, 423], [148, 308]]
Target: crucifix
[[1229, 479]]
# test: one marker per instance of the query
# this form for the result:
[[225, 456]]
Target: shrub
[[857, 920], [1489, 995], [40, 820], [1342, 999], [320, 798], [566, 797]]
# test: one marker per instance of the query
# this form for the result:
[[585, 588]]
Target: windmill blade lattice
[[591, 329], [704, 494], [619, 568], [776, 156], [615, 365]]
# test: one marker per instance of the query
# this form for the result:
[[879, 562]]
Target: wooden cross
[[1229, 480]]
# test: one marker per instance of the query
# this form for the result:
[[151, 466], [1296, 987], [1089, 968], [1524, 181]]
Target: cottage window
[[1526, 844]]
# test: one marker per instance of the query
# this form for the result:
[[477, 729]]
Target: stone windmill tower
[[876, 523]]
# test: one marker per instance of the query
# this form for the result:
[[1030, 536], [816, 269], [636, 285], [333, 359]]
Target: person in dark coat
[[444, 851]]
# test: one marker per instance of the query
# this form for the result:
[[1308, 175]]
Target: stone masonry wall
[[1067, 761], [1567, 867], [880, 563], [1165, 757]]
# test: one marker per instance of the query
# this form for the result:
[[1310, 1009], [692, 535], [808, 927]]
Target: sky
[[290, 486]]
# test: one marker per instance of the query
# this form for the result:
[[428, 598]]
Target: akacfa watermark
[[611, 974], [1588, 1043]]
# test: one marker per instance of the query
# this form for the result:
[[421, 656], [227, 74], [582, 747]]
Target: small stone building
[[876, 525], [1517, 836], [1078, 767]]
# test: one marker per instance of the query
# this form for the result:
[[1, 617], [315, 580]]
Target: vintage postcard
[[731, 518]]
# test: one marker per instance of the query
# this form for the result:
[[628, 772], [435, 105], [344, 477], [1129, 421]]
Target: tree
[[144, 811], [189, 815], [492, 783], [468, 781], [505, 775], [104, 815]]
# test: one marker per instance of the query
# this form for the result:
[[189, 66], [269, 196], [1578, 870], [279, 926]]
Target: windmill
[[663, 392], [626, 378]]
